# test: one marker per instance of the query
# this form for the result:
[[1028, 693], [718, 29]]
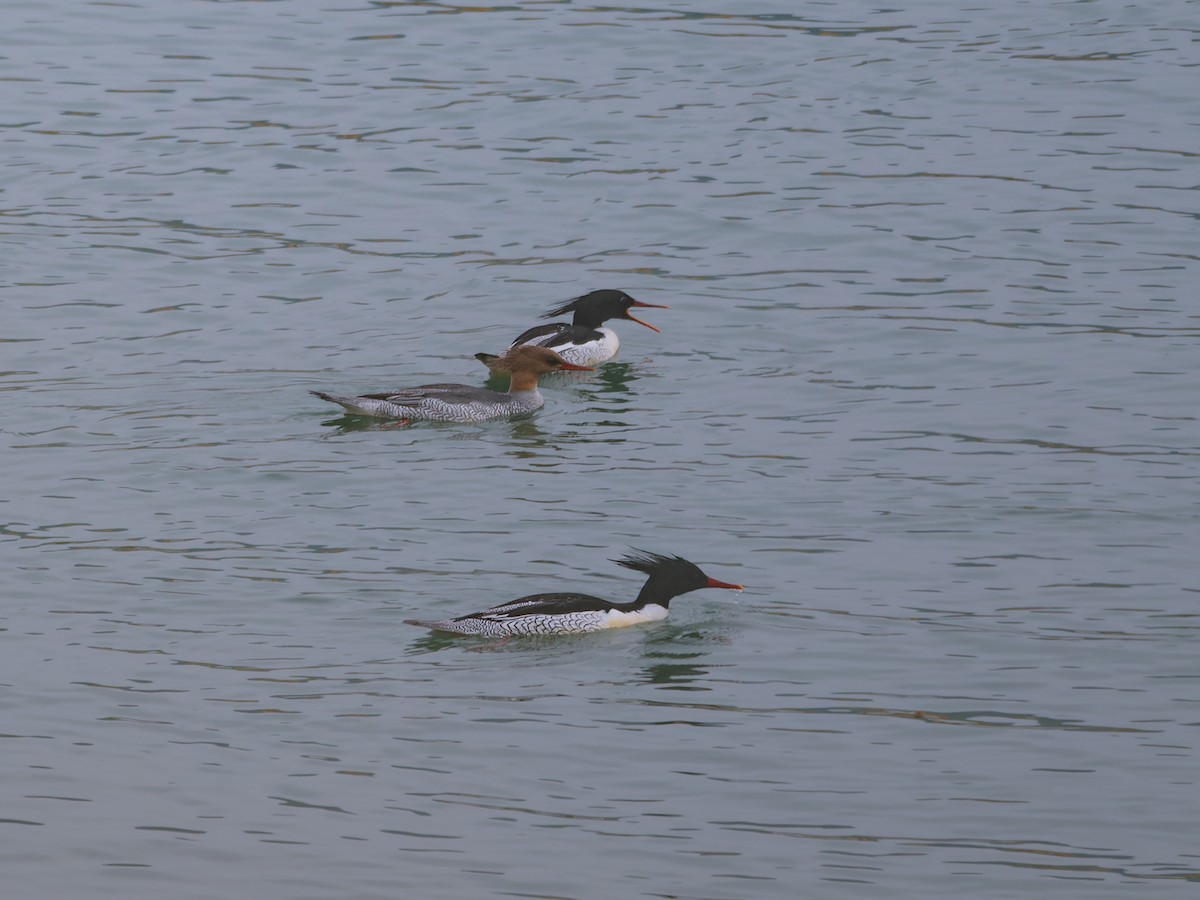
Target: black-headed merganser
[[669, 576], [461, 402], [584, 342]]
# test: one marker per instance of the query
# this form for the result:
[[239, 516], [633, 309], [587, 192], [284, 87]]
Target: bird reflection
[[547, 647], [432, 641], [674, 674], [351, 424], [524, 435], [614, 378]]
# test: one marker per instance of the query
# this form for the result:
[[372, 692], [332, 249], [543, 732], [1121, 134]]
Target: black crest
[[607, 303], [663, 568]]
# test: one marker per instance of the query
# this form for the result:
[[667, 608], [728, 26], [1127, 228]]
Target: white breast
[[650, 613], [592, 353]]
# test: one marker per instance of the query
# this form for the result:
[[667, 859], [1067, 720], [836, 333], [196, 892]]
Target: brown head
[[526, 362]]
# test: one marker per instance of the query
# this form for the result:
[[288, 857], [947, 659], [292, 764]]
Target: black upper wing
[[540, 331], [544, 605], [577, 334]]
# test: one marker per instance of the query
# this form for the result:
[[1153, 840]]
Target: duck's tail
[[340, 401]]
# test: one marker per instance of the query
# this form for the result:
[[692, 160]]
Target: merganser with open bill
[[569, 613], [583, 342], [461, 402]]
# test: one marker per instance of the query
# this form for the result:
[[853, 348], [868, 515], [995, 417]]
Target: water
[[926, 387]]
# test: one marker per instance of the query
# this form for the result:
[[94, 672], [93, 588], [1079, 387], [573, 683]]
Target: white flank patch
[[593, 352], [650, 613]]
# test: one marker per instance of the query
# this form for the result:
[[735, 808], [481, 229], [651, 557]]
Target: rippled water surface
[[926, 386]]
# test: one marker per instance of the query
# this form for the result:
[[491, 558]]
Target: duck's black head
[[594, 309], [668, 576]]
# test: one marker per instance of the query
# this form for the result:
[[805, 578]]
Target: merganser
[[583, 342], [669, 576], [461, 402]]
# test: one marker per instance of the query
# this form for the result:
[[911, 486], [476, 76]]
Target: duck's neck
[[655, 591], [521, 382]]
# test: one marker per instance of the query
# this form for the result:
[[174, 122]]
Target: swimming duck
[[583, 342], [461, 402], [569, 613]]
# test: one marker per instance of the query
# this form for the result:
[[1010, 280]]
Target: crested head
[[594, 309], [528, 359], [656, 563], [592, 300], [668, 576]]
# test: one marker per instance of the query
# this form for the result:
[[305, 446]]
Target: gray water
[[926, 387]]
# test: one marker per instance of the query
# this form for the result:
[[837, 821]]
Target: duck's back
[[577, 344]]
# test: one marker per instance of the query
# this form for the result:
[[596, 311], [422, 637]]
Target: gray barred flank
[[486, 626], [433, 408]]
